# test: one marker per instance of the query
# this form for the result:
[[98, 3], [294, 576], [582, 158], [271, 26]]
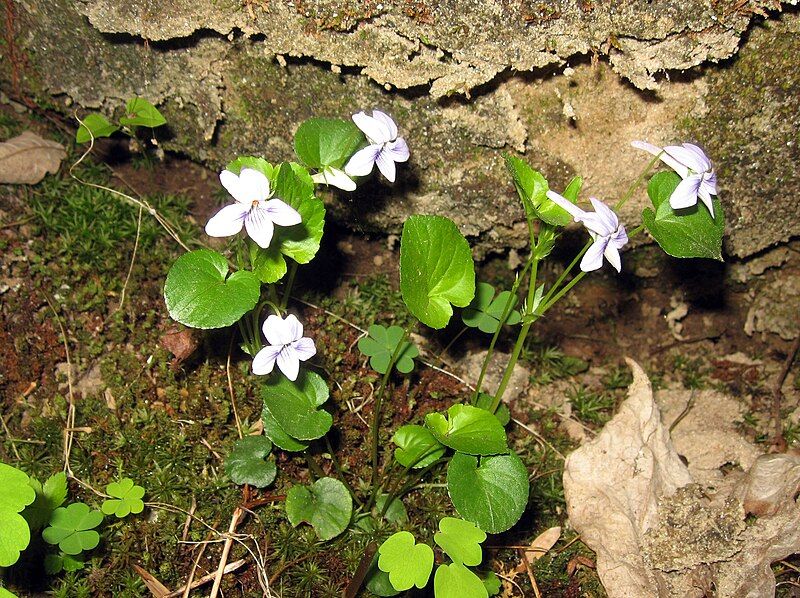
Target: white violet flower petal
[[287, 347], [335, 178], [385, 147]]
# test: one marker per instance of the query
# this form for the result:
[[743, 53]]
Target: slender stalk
[[632, 189], [338, 467], [562, 292], [289, 284], [316, 470], [565, 273], [408, 485]]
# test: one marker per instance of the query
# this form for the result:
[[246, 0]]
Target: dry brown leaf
[[542, 544], [158, 589], [25, 159]]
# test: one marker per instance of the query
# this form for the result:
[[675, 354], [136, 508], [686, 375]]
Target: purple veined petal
[[259, 226], [611, 254], [234, 186], [710, 182], [398, 150], [304, 348], [376, 131], [593, 258], [700, 155], [674, 164], [277, 331], [335, 178], [619, 238], [264, 361], [293, 327], [387, 121], [567, 205], [705, 197], [255, 184], [281, 213], [386, 165], [289, 363], [689, 158], [361, 163], [595, 224], [606, 214], [228, 221], [685, 194]]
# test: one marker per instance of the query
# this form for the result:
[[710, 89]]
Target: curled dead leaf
[[26, 158]]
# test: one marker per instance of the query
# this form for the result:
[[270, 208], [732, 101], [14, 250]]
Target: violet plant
[[250, 284]]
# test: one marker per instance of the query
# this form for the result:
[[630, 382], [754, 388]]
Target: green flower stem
[[567, 287], [565, 273], [338, 467], [632, 189], [376, 416], [506, 311], [289, 284], [636, 231], [316, 470], [523, 334], [408, 485]]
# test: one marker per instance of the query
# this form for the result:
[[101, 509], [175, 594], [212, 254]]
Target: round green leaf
[[198, 294], [685, 233], [48, 497], [94, 125], [492, 492], [456, 581], [321, 142], [408, 564], [416, 446], [436, 269], [72, 528], [278, 435], [468, 429], [15, 494], [461, 540], [253, 162], [141, 113], [4, 593], [326, 505], [126, 499], [503, 414], [295, 405], [247, 465], [380, 344], [396, 513], [492, 583]]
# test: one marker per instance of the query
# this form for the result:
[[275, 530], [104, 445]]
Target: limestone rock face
[[568, 83]]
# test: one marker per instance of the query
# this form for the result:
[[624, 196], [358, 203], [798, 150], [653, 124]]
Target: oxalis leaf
[[72, 528], [416, 446], [380, 345], [469, 430], [408, 564], [461, 540], [326, 505], [246, 463], [485, 310], [199, 293], [321, 142], [436, 269], [126, 499], [492, 492], [141, 113], [15, 494], [456, 581], [94, 126], [685, 233], [295, 405]]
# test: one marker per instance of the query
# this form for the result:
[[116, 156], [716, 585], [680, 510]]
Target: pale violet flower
[[287, 347], [253, 208], [693, 166], [384, 149], [335, 178], [604, 227]]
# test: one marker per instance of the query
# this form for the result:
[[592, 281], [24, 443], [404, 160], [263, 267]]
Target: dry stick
[[363, 568], [230, 388], [188, 586], [777, 395], [189, 516], [133, 259], [11, 439], [524, 558], [237, 513], [205, 579]]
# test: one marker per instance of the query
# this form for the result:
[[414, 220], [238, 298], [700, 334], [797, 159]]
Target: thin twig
[[11, 439], [237, 513], [538, 437], [205, 579], [133, 259], [531, 577], [777, 394], [230, 387], [685, 412]]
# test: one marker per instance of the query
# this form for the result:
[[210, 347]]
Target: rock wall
[[567, 83]]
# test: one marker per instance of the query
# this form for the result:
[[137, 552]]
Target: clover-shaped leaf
[[15, 494], [461, 540], [436, 269], [93, 126], [456, 581], [48, 498], [72, 528], [492, 583], [468, 429], [485, 310], [141, 113], [408, 564], [381, 343], [55, 563], [326, 505], [126, 499], [247, 462], [416, 446]]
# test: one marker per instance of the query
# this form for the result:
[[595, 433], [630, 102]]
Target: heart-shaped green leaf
[[461, 540], [141, 113], [468, 429], [127, 499], [502, 414], [395, 513], [532, 190], [436, 269], [456, 581], [381, 343], [48, 498], [15, 494], [492, 492], [94, 125], [247, 462], [321, 142], [295, 405], [72, 528], [416, 446], [198, 294], [408, 564], [685, 233], [255, 163], [485, 311], [326, 505], [278, 436]]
